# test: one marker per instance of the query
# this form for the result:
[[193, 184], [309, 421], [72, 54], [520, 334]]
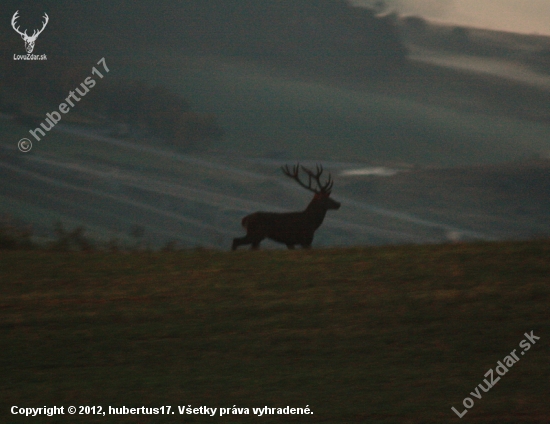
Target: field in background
[[378, 335], [421, 114], [420, 117], [113, 186]]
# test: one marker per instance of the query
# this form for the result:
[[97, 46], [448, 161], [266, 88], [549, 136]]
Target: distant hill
[[507, 201], [294, 29], [532, 50]]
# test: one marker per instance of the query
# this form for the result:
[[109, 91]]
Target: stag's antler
[[294, 174]]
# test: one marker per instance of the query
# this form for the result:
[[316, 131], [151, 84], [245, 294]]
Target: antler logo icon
[[29, 40]]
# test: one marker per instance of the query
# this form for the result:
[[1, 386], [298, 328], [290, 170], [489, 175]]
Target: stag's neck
[[316, 212]]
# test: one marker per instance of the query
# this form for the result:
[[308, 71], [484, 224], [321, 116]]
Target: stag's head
[[322, 191], [29, 40]]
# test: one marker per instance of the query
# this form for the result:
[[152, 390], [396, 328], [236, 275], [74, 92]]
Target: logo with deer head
[[29, 39]]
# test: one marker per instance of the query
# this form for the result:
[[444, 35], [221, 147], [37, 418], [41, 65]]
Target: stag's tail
[[244, 222]]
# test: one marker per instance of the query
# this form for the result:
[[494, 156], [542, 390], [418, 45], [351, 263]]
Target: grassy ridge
[[394, 334]]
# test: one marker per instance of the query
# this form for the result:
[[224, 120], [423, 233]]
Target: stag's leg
[[239, 241], [290, 246], [236, 243], [306, 242]]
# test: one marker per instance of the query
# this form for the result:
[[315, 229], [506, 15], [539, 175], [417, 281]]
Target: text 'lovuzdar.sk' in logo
[[29, 39]]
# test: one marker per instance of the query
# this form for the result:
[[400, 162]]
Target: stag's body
[[290, 228]]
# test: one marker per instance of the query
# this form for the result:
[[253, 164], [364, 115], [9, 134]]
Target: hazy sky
[[527, 16]]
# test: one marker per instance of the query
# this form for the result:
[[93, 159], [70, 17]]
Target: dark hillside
[[292, 29], [507, 200]]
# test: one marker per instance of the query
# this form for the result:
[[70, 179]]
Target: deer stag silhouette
[[291, 228]]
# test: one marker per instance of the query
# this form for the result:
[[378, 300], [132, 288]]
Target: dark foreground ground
[[370, 335]]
